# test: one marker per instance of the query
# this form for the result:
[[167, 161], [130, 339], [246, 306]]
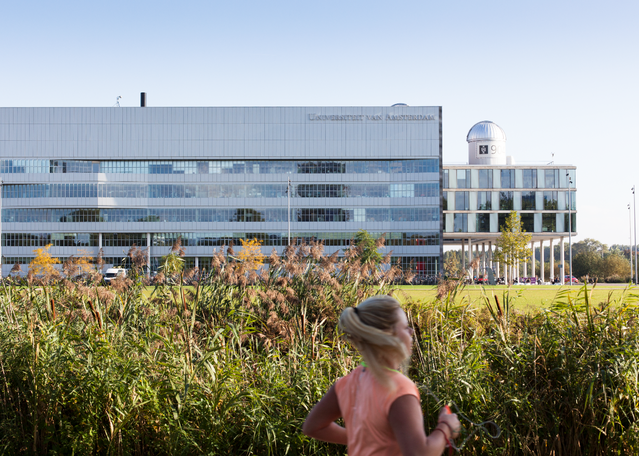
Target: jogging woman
[[380, 405]]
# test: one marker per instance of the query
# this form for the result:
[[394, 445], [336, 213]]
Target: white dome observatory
[[487, 144]]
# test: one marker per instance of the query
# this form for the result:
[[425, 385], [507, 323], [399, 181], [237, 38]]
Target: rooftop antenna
[[117, 102], [553, 159]]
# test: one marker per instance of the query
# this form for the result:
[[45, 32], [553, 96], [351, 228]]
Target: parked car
[[112, 273], [567, 279]]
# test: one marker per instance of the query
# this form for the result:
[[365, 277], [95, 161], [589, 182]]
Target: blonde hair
[[370, 328]]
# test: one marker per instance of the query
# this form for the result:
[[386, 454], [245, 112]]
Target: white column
[[483, 258], [99, 247], [506, 273], [148, 254], [490, 254], [470, 258], [197, 263], [552, 261], [525, 268], [463, 257], [533, 273], [541, 261]]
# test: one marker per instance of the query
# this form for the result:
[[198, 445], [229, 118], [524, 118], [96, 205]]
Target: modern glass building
[[85, 179], [479, 196]]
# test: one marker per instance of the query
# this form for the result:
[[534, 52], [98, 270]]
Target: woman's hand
[[449, 420]]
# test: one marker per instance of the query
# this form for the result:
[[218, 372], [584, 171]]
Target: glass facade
[[540, 196], [430, 165], [213, 173], [408, 190], [213, 239], [396, 214]]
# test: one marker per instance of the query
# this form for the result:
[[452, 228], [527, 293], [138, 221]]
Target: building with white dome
[[478, 197], [91, 179]]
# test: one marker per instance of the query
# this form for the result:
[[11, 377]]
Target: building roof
[[486, 131]]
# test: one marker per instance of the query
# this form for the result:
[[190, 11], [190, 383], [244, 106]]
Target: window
[[528, 222], [485, 178], [446, 179], [572, 220], [551, 178], [507, 178], [461, 223], [505, 201], [549, 223], [550, 201], [483, 223], [570, 200], [461, 201], [484, 201], [529, 178], [528, 201], [463, 178], [501, 221]]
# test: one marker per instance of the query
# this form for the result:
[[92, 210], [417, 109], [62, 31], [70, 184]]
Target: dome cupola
[[486, 144]]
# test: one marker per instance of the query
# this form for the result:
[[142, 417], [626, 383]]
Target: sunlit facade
[[479, 196], [85, 179]]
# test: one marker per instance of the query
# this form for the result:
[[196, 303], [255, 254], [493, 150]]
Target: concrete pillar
[[463, 257], [562, 259], [532, 244], [148, 254], [197, 263], [506, 273], [541, 261], [525, 268], [483, 258], [470, 258], [552, 262], [490, 254]]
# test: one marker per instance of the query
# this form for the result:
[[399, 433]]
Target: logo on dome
[[483, 150]]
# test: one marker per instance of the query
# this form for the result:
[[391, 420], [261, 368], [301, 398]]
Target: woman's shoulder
[[403, 385], [352, 374]]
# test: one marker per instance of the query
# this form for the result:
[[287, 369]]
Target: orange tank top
[[365, 404]]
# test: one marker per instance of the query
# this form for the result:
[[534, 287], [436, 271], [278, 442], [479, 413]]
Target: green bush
[[233, 364]]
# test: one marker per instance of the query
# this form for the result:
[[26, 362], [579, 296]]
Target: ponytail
[[370, 328]]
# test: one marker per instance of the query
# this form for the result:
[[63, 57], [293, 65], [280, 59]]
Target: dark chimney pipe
[[143, 99]]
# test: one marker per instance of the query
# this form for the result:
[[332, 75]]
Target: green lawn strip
[[527, 296]]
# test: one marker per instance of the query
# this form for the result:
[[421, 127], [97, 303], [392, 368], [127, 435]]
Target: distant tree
[[43, 263], [251, 253], [589, 245], [615, 265], [368, 245], [586, 263], [512, 244]]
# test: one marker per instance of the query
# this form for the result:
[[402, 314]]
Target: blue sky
[[558, 77]]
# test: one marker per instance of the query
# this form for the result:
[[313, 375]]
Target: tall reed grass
[[232, 364]]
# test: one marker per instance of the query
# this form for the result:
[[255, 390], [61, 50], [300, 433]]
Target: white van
[[112, 273]]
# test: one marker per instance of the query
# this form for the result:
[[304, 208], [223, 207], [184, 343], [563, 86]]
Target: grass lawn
[[527, 297]]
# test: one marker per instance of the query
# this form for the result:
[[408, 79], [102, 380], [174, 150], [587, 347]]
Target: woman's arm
[[320, 423], [406, 419]]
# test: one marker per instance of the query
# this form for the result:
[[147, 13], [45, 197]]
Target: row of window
[[207, 239], [430, 165], [509, 178], [508, 201], [424, 265], [95, 190], [547, 223], [396, 214]]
